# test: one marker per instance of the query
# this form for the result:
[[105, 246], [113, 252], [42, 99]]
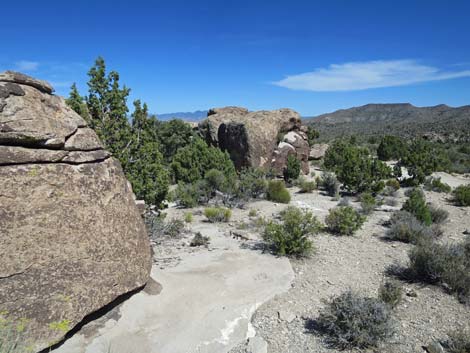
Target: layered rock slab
[[72, 239]]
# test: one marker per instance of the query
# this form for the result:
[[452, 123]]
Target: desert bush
[[368, 202], [407, 228], [11, 340], [312, 135], [344, 220], [217, 214], [187, 195], [215, 181], [436, 185], [173, 228], [158, 227], [352, 321], [394, 184], [306, 186], [391, 292], [292, 169], [416, 205], [188, 217], [200, 240], [355, 169], [277, 192], [252, 183], [391, 147], [291, 236], [459, 341], [444, 264], [330, 184], [252, 213], [462, 195], [438, 215]]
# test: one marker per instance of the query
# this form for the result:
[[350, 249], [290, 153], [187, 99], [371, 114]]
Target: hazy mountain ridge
[[401, 119], [188, 116]]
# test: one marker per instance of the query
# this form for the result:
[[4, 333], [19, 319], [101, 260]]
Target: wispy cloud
[[354, 76], [26, 65]]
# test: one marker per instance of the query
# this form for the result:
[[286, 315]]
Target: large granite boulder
[[72, 239], [262, 139]]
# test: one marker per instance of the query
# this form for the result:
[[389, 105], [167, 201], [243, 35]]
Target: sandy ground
[[215, 298]]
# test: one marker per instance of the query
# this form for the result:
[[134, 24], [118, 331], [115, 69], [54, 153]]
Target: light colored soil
[[358, 263]]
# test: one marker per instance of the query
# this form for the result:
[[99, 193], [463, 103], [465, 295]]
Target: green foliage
[[277, 192], [448, 265], [200, 240], [391, 147], [291, 236], [462, 195], [459, 341], [394, 184], [352, 321], [344, 220], [191, 162], [406, 228], [172, 135], [368, 203], [354, 168], [217, 214], [423, 158], [77, 103], [438, 215], [188, 217], [292, 170], [11, 335], [312, 135], [436, 185], [216, 181], [306, 186], [252, 213], [391, 293], [416, 205], [190, 195], [252, 183], [331, 185]]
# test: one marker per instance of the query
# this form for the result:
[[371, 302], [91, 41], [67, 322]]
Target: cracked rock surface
[[72, 239]]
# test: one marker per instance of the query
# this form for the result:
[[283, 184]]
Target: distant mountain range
[[402, 119], [187, 116]]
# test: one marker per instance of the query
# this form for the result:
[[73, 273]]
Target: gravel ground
[[358, 263]]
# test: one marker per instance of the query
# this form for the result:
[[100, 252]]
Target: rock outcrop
[[318, 150], [72, 239], [262, 139]]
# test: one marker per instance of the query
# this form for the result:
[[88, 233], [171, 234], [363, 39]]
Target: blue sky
[[312, 56]]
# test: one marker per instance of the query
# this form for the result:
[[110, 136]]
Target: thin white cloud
[[25, 65], [368, 74]]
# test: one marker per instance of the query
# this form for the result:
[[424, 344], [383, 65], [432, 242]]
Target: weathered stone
[[84, 139], [22, 155], [251, 138], [76, 157], [17, 77], [257, 345], [435, 347], [318, 151], [72, 238], [9, 88], [37, 119]]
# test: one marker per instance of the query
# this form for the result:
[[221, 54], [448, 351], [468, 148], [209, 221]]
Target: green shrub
[[217, 214], [354, 168], [200, 240], [391, 147], [368, 203], [188, 217], [191, 162], [447, 265], [438, 215], [406, 228], [462, 195], [436, 185], [391, 292], [344, 220], [252, 213], [352, 321], [187, 195], [394, 184], [416, 205], [215, 180], [292, 169], [459, 341], [291, 236], [252, 183], [306, 186], [330, 183], [277, 192], [157, 227], [312, 135]]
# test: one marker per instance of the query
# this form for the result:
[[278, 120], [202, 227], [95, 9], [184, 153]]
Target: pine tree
[[77, 103]]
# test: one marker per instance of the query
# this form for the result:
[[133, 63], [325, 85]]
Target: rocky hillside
[[440, 121]]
